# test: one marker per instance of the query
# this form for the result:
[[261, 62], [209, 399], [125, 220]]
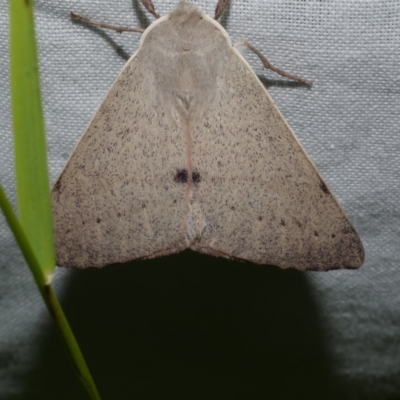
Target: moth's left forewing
[[116, 199]]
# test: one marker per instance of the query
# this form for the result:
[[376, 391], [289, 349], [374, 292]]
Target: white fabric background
[[348, 122]]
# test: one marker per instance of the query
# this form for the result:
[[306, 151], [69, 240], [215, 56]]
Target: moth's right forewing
[[262, 197]]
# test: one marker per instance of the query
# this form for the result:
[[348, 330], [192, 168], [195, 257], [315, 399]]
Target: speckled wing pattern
[[188, 150], [264, 200], [116, 198]]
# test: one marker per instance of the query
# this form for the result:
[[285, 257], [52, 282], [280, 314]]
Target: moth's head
[[185, 29]]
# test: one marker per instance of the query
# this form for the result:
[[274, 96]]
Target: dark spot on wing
[[316, 233], [334, 266], [57, 186], [196, 178], [98, 220], [181, 176], [323, 187], [312, 268], [118, 214], [260, 218], [83, 222], [283, 223], [123, 134], [348, 229], [333, 236]]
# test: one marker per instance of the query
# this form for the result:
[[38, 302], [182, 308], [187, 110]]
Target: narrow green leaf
[[33, 231], [72, 346], [50, 299], [22, 240], [34, 204]]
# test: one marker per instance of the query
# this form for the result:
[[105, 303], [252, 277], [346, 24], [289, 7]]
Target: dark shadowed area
[[189, 326]]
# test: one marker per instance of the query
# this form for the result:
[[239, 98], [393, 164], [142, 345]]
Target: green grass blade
[[33, 230], [49, 298], [22, 240], [72, 346], [34, 204]]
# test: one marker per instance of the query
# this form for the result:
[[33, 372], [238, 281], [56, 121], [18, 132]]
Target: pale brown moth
[[188, 150]]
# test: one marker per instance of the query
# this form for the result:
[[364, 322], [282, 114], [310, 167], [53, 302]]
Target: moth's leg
[[268, 65], [219, 8], [150, 7], [106, 26]]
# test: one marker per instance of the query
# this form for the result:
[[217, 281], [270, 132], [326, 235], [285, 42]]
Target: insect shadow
[[188, 326]]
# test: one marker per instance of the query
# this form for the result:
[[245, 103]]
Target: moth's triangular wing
[[116, 199], [262, 198], [188, 149]]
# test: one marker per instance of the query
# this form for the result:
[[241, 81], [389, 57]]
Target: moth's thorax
[[185, 53], [185, 29]]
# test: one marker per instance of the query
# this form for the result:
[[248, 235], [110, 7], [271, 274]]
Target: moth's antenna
[[119, 29], [147, 3], [150, 7], [268, 65], [219, 8]]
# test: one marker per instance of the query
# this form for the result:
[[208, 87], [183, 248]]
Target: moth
[[188, 150]]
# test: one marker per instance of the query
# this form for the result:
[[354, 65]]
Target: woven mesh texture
[[190, 326]]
